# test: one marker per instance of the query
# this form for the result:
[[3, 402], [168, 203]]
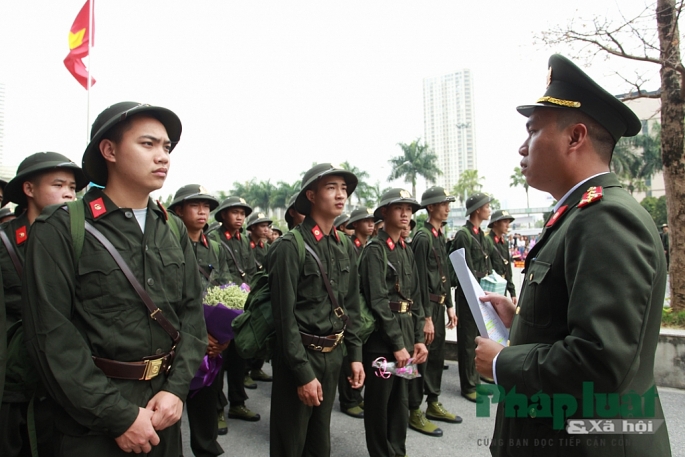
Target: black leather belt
[[439, 299], [403, 306], [148, 368], [321, 343]]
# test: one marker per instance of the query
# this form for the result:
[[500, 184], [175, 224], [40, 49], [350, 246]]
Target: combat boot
[[223, 426], [243, 413], [437, 412], [249, 383], [418, 422], [259, 375]]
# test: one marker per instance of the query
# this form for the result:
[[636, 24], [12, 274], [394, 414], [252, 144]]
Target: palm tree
[[469, 183], [283, 193], [517, 179], [636, 160], [362, 190], [417, 160]]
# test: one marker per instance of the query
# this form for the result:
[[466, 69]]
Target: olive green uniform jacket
[[17, 231], [589, 311], [259, 250], [300, 301], [213, 259], [394, 331], [430, 251], [501, 260], [3, 341], [242, 263], [72, 312]]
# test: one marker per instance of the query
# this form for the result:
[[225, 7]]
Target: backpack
[[254, 330], [368, 321]]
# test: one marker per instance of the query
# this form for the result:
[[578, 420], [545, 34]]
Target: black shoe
[[356, 412]]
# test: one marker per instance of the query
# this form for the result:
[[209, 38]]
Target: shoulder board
[[48, 211], [593, 194]]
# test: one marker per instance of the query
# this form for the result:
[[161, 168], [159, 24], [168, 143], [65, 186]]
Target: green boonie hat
[[193, 192], [4, 212], [475, 201], [276, 228], [569, 87], [360, 214], [500, 215], [94, 164], [34, 164], [232, 202], [302, 204], [3, 183], [435, 195], [288, 217], [340, 220], [257, 218], [412, 224], [396, 195]]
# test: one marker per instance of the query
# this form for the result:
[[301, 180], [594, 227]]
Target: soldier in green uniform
[[396, 302], [311, 323], [6, 215], [430, 251], [341, 221], [118, 369], [241, 262], [292, 217], [192, 204], [276, 233], [588, 317], [43, 179], [351, 400], [477, 253], [258, 228], [501, 257]]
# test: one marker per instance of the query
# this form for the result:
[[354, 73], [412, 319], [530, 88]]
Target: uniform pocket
[[535, 305], [344, 280], [173, 263], [312, 286], [98, 283]]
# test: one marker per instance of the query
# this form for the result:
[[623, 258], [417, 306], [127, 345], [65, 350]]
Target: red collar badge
[[592, 195], [552, 220], [20, 235], [161, 207], [435, 232], [316, 231], [390, 243], [97, 207], [357, 242], [203, 240]]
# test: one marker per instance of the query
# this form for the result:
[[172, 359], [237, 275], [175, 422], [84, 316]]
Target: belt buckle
[[339, 312], [404, 306], [152, 369], [442, 300], [338, 338], [444, 279], [315, 347]]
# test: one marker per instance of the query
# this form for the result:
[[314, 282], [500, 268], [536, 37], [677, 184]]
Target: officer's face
[[52, 188], [329, 197], [542, 151], [194, 214], [233, 218], [364, 227], [397, 215], [141, 159]]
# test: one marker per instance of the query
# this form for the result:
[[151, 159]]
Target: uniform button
[[128, 214], [508, 343], [518, 308], [146, 248], [150, 282], [158, 351], [532, 412], [531, 277]]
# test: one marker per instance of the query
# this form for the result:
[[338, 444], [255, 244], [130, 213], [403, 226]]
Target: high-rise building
[[449, 124]]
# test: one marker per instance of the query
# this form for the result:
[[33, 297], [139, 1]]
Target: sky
[[266, 88]]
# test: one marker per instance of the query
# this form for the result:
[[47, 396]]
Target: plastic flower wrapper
[[385, 369], [222, 304]]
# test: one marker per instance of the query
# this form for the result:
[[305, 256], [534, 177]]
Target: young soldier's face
[[329, 197], [397, 215], [484, 211], [364, 227], [233, 218], [501, 227], [260, 231], [142, 158], [51, 188], [194, 214], [440, 211], [298, 217]]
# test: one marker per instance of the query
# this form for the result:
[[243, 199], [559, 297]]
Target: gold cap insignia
[[549, 76], [203, 190], [242, 200], [505, 213], [446, 193], [405, 194], [261, 216], [369, 211]]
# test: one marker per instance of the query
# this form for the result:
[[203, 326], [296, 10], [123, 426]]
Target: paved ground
[[469, 439]]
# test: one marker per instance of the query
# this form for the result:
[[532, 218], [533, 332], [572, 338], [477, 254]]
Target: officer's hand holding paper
[[488, 322]]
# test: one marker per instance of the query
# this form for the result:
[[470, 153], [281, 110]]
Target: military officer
[[258, 228], [396, 302], [311, 321], [117, 368], [231, 213], [477, 253], [43, 179], [430, 251], [192, 204], [501, 257], [588, 318]]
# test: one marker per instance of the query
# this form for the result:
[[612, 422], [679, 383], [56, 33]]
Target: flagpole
[[90, 68]]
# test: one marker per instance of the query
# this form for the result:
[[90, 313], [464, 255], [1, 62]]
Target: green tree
[[417, 160], [656, 207], [363, 189], [495, 204], [517, 179], [375, 194], [283, 193], [636, 160], [469, 182]]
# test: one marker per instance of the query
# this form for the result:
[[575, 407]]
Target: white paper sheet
[[488, 322]]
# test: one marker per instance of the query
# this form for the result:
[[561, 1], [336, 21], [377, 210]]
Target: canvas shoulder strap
[[12, 252]]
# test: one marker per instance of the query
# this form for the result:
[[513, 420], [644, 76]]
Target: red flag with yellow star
[[79, 46]]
